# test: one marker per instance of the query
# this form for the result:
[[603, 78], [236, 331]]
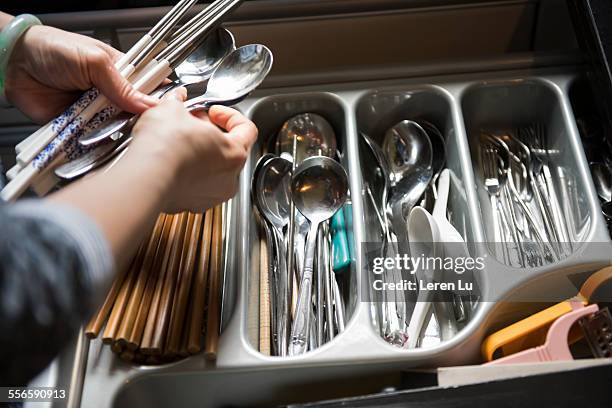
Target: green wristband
[[9, 36]]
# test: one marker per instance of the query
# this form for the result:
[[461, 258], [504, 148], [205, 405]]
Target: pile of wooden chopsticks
[[145, 65], [167, 304]]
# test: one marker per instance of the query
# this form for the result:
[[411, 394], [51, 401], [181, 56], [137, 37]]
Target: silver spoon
[[302, 136], [313, 134], [196, 69], [91, 160], [438, 146], [201, 63], [410, 155], [319, 188], [272, 189], [239, 74], [377, 188], [259, 204]]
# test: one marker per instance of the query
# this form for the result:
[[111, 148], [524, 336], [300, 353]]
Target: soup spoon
[[319, 188]]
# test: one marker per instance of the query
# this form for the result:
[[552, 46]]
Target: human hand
[[204, 162], [50, 68]]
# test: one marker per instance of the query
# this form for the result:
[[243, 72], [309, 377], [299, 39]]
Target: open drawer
[[482, 63]]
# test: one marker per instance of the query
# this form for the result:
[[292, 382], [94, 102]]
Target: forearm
[[4, 19], [124, 202]]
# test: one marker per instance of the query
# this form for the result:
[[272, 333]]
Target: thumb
[[116, 88]]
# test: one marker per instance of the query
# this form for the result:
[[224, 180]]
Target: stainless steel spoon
[[259, 204], [303, 136], [410, 155], [272, 188], [196, 69], [239, 74], [438, 146], [313, 135], [91, 160], [319, 188]]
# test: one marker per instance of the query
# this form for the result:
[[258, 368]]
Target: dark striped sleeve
[[55, 266]]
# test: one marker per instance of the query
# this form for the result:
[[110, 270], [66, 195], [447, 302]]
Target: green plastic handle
[[341, 257]]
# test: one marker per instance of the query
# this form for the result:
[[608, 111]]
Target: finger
[[178, 94], [116, 88], [201, 114], [235, 123], [111, 51]]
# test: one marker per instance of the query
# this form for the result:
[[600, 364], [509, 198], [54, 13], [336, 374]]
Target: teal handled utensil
[[341, 258]]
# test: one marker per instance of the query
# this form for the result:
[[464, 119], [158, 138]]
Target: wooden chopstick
[[163, 314], [97, 321], [264, 297], [199, 285], [168, 354], [183, 351], [216, 259], [133, 341], [147, 337], [182, 295], [143, 273], [114, 320]]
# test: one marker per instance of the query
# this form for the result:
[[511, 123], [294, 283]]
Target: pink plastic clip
[[556, 347]]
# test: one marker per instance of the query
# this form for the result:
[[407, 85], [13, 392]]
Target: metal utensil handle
[[301, 323], [283, 317]]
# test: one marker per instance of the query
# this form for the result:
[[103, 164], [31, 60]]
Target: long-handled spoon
[[259, 204], [319, 188], [410, 155], [303, 136], [272, 188]]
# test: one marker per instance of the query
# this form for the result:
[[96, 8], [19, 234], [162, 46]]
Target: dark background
[[37, 6]]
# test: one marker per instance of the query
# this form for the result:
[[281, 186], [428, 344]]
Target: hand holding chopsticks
[[146, 69]]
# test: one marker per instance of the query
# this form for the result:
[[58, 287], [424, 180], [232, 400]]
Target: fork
[[488, 159]]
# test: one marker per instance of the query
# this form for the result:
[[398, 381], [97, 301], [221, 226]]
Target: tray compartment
[[508, 105], [379, 110], [269, 114]]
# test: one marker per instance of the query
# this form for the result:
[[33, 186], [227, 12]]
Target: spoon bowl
[[410, 170], [313, 136], [319, 188], [408, 149], [202, 62], [272, 189], [239, 74]]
